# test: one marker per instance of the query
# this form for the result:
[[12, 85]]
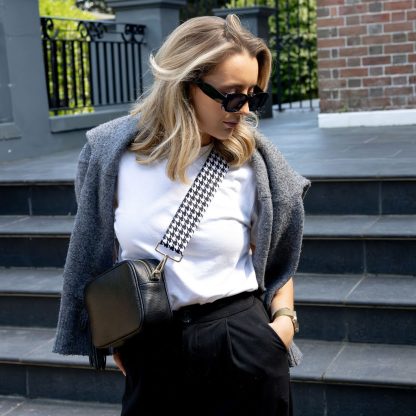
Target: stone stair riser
[[318, 399], [58, 382], [345, 197], [29, 311], [376, 256], [357, 324], [389, 197], [33, 251], [37, 199]]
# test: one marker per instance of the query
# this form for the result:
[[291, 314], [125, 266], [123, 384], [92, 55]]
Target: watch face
[[295, 322]]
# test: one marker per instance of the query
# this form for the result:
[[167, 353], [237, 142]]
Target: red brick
[[375, 18], [353, 20], [398, 27], [376, 82], [331, 22], [397, 5], [403, 48], [354, 9], [360, 51], [412, 36], [323, 54], [331, 63], [354, 93], [376, 71], [402, 69], [412, 57], [329, 84], [412, 79], [376, 39], [330, 106], [354, 72], [330, 43], [400, 80], [329, 2], [324, 73], [376, 60], [333, 11], [378, 103], [398, 91], [353, 30], [322, 12], [354, 62], [398, 17], [411, 15]]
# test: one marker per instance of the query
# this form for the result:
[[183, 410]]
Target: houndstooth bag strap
[[193, 206]]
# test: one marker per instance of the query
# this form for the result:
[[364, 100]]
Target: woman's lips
[[230, 124]]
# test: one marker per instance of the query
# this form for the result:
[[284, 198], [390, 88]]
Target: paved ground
[[18, 406], [314, 152]]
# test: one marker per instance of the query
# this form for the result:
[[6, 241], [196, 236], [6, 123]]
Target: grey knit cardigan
[[280, 193]]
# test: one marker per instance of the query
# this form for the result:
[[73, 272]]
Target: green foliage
[[63, 8], [293, 45], [66, 40], [93, 5]]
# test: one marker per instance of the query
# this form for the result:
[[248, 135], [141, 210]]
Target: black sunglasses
[[235, 101]]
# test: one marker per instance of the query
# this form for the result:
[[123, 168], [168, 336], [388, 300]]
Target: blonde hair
[[168, 127]]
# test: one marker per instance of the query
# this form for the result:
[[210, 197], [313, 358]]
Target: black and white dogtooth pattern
[[195, 203]]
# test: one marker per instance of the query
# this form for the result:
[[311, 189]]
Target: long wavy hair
[[168, 127]]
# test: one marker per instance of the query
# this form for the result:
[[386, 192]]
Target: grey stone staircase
[[355, 297]]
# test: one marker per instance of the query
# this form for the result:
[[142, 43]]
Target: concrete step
[[332, 243], [336, 196], [22, 406], [329, 373], [28, 368], [344, 379], [34, 241], [359, 244], [356, 196], [37, 198], [30, 297], [357, 308]]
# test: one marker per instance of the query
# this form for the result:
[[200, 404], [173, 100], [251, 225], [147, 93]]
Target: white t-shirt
[[217, 261]]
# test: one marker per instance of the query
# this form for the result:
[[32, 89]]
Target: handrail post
[[24, 114], [161, 17]]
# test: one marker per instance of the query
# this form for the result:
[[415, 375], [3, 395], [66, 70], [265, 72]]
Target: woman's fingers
[[119, 363]]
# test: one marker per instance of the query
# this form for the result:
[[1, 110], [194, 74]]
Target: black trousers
[[216, 359]]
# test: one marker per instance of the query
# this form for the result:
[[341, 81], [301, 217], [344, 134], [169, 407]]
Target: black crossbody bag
[[132, 295]]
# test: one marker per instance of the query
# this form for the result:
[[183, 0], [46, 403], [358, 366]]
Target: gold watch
[[291, 314]]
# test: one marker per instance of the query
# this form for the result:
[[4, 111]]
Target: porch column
[[24, 117], [160, 17]]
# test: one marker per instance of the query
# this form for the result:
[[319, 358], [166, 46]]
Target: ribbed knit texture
[[280, 192]]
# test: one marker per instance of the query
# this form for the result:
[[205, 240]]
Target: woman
[[228, 348]]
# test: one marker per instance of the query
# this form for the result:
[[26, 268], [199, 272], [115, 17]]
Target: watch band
[[291, 314]]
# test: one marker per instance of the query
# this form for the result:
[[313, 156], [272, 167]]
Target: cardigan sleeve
[[83, 161]]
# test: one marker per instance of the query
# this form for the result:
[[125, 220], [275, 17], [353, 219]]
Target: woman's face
[[237, 73]]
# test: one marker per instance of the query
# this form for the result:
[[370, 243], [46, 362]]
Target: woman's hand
[[283, 326], [119, 363]]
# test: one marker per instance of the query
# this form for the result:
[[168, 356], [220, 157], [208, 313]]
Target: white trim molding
[[368, 118]]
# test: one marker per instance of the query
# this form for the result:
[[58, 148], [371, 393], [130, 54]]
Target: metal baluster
[[55, 78], [113, 70]]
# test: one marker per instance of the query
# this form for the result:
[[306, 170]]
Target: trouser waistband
[[218, 309]]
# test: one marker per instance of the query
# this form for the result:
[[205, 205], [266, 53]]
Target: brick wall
[[366, 55]]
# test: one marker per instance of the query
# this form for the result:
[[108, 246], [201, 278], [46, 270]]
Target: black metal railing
[[293, 42], [91, 64]]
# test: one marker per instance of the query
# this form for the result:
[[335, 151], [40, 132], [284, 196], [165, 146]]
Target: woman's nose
[[245, 109]]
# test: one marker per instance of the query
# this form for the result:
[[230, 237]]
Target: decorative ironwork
[[292, 40], [90, 64]]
